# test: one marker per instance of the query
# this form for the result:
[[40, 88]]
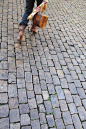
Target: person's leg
[[39, 2], [23, 23], [28, 11]]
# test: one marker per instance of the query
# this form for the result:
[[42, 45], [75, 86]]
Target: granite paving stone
[[44, 126], [55, 80], [69, 127], [76, 120], [42, 118], [68, 95], [52, 70], [72, 88], [28, 77], [24, 108], [48, 77], [84, 85], [22, 96], [4, 74], [84, 103], [12, 78], [25, 119], [29, 86], [4, 123], [45, 95], [82, 113], [77, 100], [4, 111], [81, 93], [32, 103], [48, 107], [20, 83], [30, 94], [35, 80], [13, 103], [20, 73], [65, 116], [64, 83], [15, 126], [51, 88], [72, 108], [3, 98], [43, 85], [35, 124], [14, 115], [57, 113], [50, 120], [3, 86], [41, 108], [38, 64], [60, 124], [34, 114], [84, 125], [39, 99], [54, 101], [63, 105], [37, 89], [12, 90], [77, 83], [60, 93]]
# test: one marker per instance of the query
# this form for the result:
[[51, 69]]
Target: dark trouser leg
[[28, 11], [39, 2]]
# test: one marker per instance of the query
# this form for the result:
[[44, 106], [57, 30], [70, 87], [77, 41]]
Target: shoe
[[34, 29], [21, 33]]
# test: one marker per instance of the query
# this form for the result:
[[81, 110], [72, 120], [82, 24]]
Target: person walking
[[24, 22]]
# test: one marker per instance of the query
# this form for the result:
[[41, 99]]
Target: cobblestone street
[[43, 79]]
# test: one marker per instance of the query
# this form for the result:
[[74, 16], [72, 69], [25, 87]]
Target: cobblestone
[[14, 126], [43, 79], [50, 120], [25, 120], [65, 116], [14, 115], [13, 103], [76, 120], [24, 108], [4, 111]]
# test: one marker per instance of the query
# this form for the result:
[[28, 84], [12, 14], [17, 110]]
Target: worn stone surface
[[42, 118], [13, 103], [14, 115], [25, 120], [35, 124], [43, 78], [4, 123], [60, 124], [34, 114], [65, 116], [12, 90], [15, 126], [50, 120], [22, 96], [3, 86], [76, 120], [3, 98], [4, 111], [57, 113], [24, 108]]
